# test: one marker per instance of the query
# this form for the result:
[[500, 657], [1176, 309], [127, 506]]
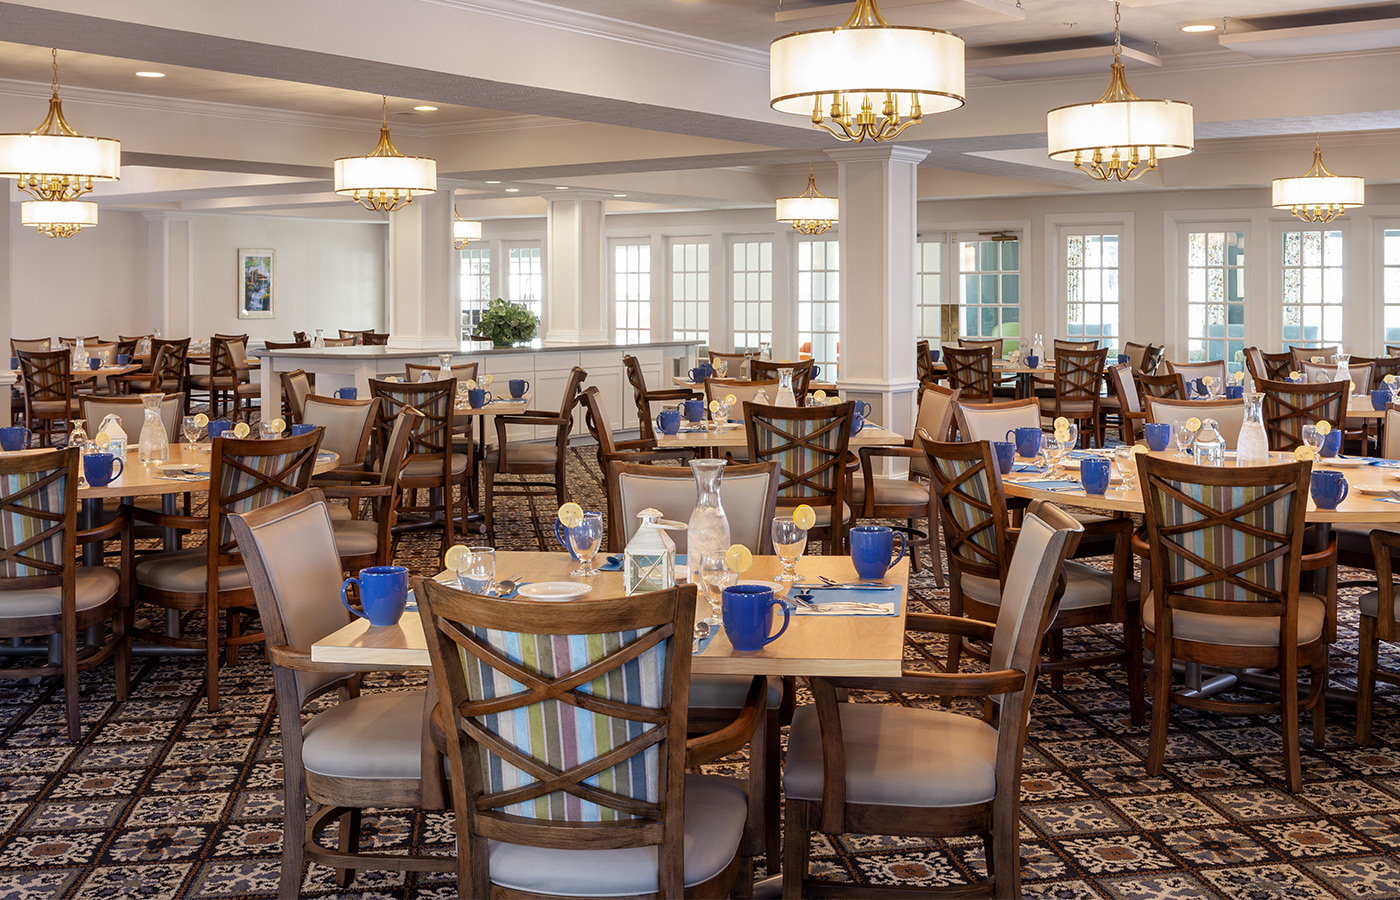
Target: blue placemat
[[1386, 463], [822, 595], [1027, 467], [614, 563], [1052, 485]]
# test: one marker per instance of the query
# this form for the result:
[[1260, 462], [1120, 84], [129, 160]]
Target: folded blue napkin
[[1386, 463], [823, 595], [1053, 485]]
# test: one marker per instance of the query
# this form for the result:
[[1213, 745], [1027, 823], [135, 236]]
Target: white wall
[[326, 275], [93, 282]]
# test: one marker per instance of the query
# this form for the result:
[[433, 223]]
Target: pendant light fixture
[[464, 231], [1120, 136], [1317, 195], [809, 213], [385, 180], [56, 165], [890, 74]]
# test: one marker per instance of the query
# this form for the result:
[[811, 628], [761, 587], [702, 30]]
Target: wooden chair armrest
[[1322, 559], [945, 684], [1381, 539], [906, 451], [1116, 525], [1140, 546], [638, 445], [653, 455], [166, 520], [717, 744], [531, 419], [110, 531], [941, 624], [674, 394], [348, 474], [358, 492]]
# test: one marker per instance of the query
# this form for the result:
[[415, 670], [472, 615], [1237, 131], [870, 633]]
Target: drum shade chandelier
[[385, 180], [56, 165], [809, 213], [464, 231], [1120, 136], [1317, 195], [891, 74]]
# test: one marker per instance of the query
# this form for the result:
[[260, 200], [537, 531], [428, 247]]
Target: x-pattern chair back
[[1167, 387], [461, 371], [970, 371], [1382, 366], [923, 365], [1277, 366], [1078, 374], [1288, 407], [38, 519], [1152, 358], [169, 362], [639, 389], [809, 444], [48, 375], [249, 474], [767, 370], [432, 398], [972, 504]]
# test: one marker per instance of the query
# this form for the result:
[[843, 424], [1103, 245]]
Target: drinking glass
[[479, 572], [1123, 460], [790, 541], [721, 367], [715, 576], [189, 426], [1182, 436], [584, 540], [1313, 438]]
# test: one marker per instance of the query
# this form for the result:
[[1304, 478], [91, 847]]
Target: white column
[[575, 268], [169, 276], [422, 306], [9, 225], [878, 188]]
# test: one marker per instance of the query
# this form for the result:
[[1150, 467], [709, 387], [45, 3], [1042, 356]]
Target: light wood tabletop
[[83, 375], [812, 645], [494, 408], [138, 480], [829, 386], [732, 435], [1358, 507]]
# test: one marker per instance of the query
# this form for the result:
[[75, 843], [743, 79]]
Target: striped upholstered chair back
[[434, 399], [972, 507], [245, 475], [1288, 407], [810, 444], [38, 519], [561, 730]]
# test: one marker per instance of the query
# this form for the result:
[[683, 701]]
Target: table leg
[[90, 516]]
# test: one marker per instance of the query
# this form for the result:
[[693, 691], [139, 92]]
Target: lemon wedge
[[1389, 379], [1209, 379], [456, 557], [804, 517], [1061, 422], [819, 394], [486, 380], [1304, 453], [731, 399], [1139, 448], [278, 426], [201, 420], [102, 440], [738, 559], [1324, 427], [570, 515], [1193, 424], [714, 406]]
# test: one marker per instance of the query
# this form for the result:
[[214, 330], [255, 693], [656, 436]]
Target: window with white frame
[[1215, 308], [751, 273], [476, 287], [525, 277], [1092, 288], [989, 291], [1312, 287], [928, 279], [632, 293], [690, 291], [819, 303], [1390, 282]]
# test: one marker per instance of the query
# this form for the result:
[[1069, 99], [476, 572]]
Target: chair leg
[[1161, 703], [797, 843], [935, 545], [211, 649], [1137, 690], [69, 649], [293, 836], [349, 843], [1292, 752], [488, 509], [1319, 713], [1367, 652], [1057, 653]]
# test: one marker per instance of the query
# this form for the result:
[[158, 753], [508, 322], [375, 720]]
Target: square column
[[576, 270], [878, 189], [423, 310], [169, 275]]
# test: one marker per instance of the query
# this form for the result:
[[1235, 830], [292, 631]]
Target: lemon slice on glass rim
[[1193, 424], [819, 394], [456, 557], [731, 399], [804, 517], [738, 559], [1303, 452], [103, 440], [278, 426], [486, 380], [1324, 427], [570, 515], [241, 430], [1061, 422], [714, 406], [201, 420]]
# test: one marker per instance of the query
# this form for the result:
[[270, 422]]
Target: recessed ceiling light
[[493, 182], [426, 108], [1198, 29], [150, 74], [512, 190], [560, 188], [619, 195]]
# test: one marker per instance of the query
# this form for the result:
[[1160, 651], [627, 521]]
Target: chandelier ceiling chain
[[385, 180], [1318, 196], [809, 213]]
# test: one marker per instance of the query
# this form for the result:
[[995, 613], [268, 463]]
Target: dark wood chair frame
[[367, 453], [290, 402], [970, 373], [169, 372], [644, 398], [1078, 379], [379, 488], [46, 376], [1170, 386], [767, 370], [1288, 407], [431, 441], [825, 481], [1380, 627]]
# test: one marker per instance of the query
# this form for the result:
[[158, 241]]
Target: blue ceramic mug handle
[[346, 601], [1346, 489], [1011, 435], [903, 546], [787, 617], [659, 427], [560, 533], [121, 467]]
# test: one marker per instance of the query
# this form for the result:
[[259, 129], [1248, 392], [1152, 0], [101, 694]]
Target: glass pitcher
[[1210, 444], [708, 531], [785, 395], [79, 355], [155, 445], [444, 366], [1343, 375], [318, 341], [1254, 441]]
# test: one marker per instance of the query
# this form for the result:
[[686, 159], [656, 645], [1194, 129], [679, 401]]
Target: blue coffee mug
[[1094, 475], [701, 372], [1332, 444], [519, 387], [669, 421], [302, 429], [872, 550], [478, 397], [935, 355], [1158, 434], [1032, 362], [1027, 441], [123, 359], [816, 372], [1006, 455], [862, 408], [97, 467], [1329, 488], [347, 393], [1199, 386], [1380, 398], [94, 363], [1124, 359], [694, 410], [857, 424], [15, 437], [1234, 391], [217, 427], [14, 362], [747, 612], [383, 594]]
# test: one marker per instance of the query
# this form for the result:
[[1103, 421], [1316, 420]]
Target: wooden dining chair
[[340, 342], [1288, 407], [1226, 551], [970, 373], [368, 750], [375, 339], [243, 475], [369, 541], [736, 365], [1193, 371], [922, 772], [991, 421], [46, 378], [1228, 414], [349, 427], [44, 593], [802, 377], [1380, 621], [296, 387], [810, 445], [612, 453], [356, 336], [644, 397], [33, 344], [1170, 386], [287, 345], [460, 371], [169, 372], [1062, 345], [1137, 354], [1152, 360], [433, 465], [1124, 409], [610, 680], [1321, 355], [923, 363], [1078, 380], [230, 387], [132, 413]]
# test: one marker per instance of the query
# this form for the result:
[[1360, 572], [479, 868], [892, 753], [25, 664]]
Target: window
[[476, 287], [752, 274], [928, 282], [525, 277], [1091, 289], [1390, 281], [632, 293], [1215, 297], [989, 291], [1312, 287], [690, 291], [819, 303]]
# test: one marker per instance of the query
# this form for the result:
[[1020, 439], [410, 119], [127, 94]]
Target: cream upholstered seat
[[371, 736], [92, 587], [132, 413], [426, 468], [183, 572], [535, 454], [1084, 586], [1245, 631], [890, 492], [747, 491]]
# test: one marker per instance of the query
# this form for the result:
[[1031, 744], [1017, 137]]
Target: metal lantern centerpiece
[[809, 213], [385, 180], [1317, 195], [649, 560], [870, 78]]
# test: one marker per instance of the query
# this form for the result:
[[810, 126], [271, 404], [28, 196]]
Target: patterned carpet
[[162, 799]]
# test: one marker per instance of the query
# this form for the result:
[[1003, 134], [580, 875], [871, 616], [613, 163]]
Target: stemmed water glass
[[584, 540], [1063, 450], [790, 541], [721, 366], [1183, 437], [1126, 464], [715, 576], [190, 427], [479, 572], [1313, 438]]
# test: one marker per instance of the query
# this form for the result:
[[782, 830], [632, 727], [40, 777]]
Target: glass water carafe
[[785, 395], [318, 341], [1209, 446], [1254, 441], [708, 531], [155, 444], [1343, 370], [444, 366]]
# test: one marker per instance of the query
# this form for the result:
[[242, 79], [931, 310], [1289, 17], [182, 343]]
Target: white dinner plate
[[779, 589], [1350, 462], [553, 590], [1372, 490]]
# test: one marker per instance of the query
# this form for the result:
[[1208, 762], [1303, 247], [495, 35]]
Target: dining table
[[830, 387], [732, 436]]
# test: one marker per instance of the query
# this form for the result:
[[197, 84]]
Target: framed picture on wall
[[255, 284]]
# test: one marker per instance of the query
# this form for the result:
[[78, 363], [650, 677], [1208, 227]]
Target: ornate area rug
[[162, 799]]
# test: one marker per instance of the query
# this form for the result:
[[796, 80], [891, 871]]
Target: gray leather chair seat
[[356, 537], [1085, 587], [376, 735], [427, 468], [891, 492], [728, 691], [715, 811], [95, 585], [530, 454], [183, 572], [1242, 631], [1084, 407], [897, 756], [1370, 603], [824, 514]]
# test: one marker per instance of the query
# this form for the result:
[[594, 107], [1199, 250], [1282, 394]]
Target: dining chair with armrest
[[36, 344], [767, 370], [296, 387], [644, 397], [1061, 345], [810, 445], [612, 453], [1078, 378], [287, 345], [1125, 407], [1170, 386], [349, 427], [1380, 621], [366, 751], [433, 463], [991, 421], [970, 373], [460, 371], [169, 372], [744, 390], [1228, 414], [46, 378], [919, 772], [1288, 407], [1193, 371], [364, 542], [132, 413]]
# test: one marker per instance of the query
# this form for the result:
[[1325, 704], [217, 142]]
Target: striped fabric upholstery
[[1226, 546], [563, 736], [18, 524], [963, 513], [800, 464], [435, 433], [234, 481]]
